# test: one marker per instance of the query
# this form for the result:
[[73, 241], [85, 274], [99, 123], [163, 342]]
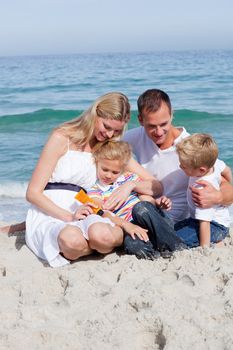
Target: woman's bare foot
[[9, 229]]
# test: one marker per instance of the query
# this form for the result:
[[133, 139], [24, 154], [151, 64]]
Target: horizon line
[[114, 52]]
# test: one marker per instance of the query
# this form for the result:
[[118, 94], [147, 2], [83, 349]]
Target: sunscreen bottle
[[82, 197]]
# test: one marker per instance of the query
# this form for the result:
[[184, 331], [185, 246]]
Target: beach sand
[[116, 301]]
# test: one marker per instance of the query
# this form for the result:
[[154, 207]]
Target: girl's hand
[[83, 211], [164, 203], [133, 230], [119, 196]]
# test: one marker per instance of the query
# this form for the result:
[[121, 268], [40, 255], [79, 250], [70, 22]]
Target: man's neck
[[172, 135]]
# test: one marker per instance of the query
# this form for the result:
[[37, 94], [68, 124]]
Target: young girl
[[111, 159]]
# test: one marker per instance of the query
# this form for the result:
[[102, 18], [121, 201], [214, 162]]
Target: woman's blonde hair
[[113, 105], [113, 150], [198, 150]]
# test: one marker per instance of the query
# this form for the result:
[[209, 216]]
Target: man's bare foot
[[9, 229]]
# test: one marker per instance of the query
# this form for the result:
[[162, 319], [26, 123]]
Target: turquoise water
[[38, 93]]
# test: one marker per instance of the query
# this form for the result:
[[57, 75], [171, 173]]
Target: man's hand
[[205, 195]]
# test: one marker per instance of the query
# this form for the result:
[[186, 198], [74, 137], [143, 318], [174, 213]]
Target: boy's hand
[[133, 230], [164, 203], [83, 211]]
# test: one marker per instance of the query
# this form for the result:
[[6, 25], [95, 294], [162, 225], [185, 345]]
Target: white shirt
[[163, 165], [217, 213]]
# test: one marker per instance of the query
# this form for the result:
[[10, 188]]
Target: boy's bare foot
[[219, 244]]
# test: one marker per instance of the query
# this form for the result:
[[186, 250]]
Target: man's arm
[[207, 195], [227, 174], [153, 186]]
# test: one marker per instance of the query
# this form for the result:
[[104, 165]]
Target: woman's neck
[[88, 147]]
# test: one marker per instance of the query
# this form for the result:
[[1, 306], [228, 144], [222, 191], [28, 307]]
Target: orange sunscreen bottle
[[82, 197]]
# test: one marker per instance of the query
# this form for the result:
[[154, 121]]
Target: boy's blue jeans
[[188, 231], [160, 231]]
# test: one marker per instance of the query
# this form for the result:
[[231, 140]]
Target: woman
[[54, 231]]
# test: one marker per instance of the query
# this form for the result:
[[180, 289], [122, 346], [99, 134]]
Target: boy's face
[[108, 171]]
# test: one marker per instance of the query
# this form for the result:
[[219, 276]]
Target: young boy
[[198, 159], [111, 158]]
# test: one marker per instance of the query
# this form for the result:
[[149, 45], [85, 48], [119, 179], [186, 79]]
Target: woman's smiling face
[[107, 128]]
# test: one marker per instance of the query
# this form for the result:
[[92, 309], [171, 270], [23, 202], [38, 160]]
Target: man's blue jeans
[[188, 231], [160, 231]]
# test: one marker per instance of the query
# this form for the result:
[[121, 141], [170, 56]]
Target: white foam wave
[[13, 189]]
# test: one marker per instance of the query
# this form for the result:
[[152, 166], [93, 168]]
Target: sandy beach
[[116, 301]]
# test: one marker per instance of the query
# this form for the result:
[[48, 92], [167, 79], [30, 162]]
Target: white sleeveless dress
[[42, 230]]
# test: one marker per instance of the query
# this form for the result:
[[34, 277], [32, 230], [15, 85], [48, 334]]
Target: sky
[[31, 27]]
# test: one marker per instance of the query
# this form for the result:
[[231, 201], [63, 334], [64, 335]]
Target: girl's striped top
[[103, 192]]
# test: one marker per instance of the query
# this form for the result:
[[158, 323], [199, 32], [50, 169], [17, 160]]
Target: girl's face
[[108, 170], [107, 128]]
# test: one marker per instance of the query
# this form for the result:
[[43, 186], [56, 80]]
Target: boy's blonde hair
[[113, 150], [113, 105], [198, 150]]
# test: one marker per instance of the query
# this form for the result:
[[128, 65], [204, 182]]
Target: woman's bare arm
[[55, 147]]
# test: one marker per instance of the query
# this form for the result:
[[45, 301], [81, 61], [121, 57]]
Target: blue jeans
[[160, 231], [188, 231]]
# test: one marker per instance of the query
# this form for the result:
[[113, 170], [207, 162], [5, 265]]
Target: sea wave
[[38, 116], [62, 115], [22, 136], [12, 189]]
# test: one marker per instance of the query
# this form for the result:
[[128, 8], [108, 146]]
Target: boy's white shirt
[[217, 213]]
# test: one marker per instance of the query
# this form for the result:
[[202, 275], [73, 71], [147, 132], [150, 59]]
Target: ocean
[[39, 92]]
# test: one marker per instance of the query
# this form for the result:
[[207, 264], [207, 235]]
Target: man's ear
[[140, 119]]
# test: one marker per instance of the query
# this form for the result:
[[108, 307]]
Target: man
[[154, 147]]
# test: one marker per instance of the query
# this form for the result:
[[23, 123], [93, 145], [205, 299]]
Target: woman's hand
[[119, 196], [83, 211], [164, 203], [135, 230]]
